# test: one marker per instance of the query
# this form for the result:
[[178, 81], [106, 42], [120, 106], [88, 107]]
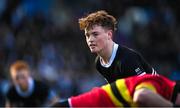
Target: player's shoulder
[[11, 91], [39, 84], [127, 52]]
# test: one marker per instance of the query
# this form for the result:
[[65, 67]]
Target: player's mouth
[[92, 46]]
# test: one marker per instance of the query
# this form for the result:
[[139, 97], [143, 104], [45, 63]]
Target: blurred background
[[45, 33]]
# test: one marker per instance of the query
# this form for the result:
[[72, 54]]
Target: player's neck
[[106, 53]]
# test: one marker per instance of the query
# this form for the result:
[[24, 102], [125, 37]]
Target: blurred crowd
[[45, 33]]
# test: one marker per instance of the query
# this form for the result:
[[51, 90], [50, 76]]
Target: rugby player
[[113, 61], [25, 90], [136, 91]]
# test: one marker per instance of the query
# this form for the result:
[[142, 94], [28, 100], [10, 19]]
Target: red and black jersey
[[97, 97], [120, 93], [123, 89]]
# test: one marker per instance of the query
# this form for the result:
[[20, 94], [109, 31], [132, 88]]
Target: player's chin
[[93, 51]]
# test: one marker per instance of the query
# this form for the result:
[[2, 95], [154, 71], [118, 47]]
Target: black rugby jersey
[[36, 99], [127, 62]]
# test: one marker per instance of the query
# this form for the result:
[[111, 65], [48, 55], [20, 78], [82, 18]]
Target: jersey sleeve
[[97, 97], [119, 93], [135, 64]]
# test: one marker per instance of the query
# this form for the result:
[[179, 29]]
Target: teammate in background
[[113, 61], [25, 90], [137, 91]]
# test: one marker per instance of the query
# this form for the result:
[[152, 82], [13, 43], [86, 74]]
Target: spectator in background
[[113, 61], [25, 90]]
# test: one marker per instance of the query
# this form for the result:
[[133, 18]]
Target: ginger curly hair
[[19, 64], [101, 18]]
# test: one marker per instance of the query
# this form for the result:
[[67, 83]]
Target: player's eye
[[20, 77], [95, 34]]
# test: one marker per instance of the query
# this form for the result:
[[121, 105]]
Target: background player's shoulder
[[11, 88], [41, 89], [11, 91], [41, 84]]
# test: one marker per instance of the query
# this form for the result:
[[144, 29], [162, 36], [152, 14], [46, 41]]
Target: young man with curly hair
[[113, 61]]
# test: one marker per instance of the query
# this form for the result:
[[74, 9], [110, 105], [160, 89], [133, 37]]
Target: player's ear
[[110, 34]]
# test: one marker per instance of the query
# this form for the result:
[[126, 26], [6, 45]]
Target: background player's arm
[[7, 101], [52, 98], [7, 105], [145, 97]]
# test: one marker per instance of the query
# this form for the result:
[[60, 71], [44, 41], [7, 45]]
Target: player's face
[[97, 38], [20, 78]]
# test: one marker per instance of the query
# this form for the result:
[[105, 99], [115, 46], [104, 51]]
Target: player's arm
[[97, 97], [8, 100], [64, 103], [147, 98]]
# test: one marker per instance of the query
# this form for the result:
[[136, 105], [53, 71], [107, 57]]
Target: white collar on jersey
[[115, 48], [29, 91]]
